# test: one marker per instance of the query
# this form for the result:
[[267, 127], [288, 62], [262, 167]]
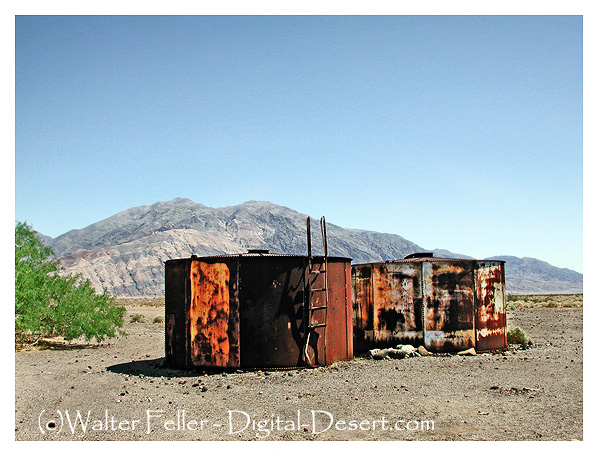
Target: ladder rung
[[322, 289], [313, 308], [317, 325], [316, 272]]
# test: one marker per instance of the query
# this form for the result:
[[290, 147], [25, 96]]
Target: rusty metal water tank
[[446, 305], [258, 310]]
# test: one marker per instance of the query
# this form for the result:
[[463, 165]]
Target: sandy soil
[[122, 392]]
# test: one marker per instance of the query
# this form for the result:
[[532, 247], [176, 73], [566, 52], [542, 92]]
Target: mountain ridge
[[125, 252]]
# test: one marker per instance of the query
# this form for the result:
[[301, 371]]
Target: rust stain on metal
[[397, 292], [338, 341], [491, 319], [209, 314], [250, 311], [444, 304], [362, 305], [449, 297]]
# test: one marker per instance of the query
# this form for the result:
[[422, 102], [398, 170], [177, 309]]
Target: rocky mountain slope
[[533, 276], [126, 252]]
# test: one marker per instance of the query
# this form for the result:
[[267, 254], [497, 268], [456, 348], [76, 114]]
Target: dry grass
[[545, 301], [138, 318], [155, 302]]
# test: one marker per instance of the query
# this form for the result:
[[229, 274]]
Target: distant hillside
[[126, 252], [533, 276]]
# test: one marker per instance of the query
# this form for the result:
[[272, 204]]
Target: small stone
[[422, 351], [407, 348], [470, 351], [372, 353]]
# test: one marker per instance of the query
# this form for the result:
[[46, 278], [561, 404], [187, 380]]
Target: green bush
[[158, 320], [50, 304], [515, 335]]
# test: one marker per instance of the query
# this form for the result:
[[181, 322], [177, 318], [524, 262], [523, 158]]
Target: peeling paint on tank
[[209, 314], [445, 304]]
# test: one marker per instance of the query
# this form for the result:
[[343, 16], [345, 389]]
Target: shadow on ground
[[156, 368]]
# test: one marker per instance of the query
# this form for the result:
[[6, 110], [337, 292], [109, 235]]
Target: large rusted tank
[[446, 305], [258, 310]]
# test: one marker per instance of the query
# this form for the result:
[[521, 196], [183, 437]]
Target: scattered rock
[[407, 348], [470, 351], [379, 354], [422, 351]]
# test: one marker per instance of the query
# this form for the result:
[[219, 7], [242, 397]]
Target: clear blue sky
[[455, 132]]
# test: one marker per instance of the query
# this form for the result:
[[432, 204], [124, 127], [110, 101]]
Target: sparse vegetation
[[544, 301], [138, 318], [515, 335], [141, 301], [158, 320], [49, 303]]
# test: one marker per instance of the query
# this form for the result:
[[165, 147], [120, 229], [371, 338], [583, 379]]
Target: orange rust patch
[[209, 314]]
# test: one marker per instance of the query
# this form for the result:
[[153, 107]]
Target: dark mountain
[[126, 252]]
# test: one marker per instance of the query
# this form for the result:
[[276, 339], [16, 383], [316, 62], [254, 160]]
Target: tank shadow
[[156, 368]]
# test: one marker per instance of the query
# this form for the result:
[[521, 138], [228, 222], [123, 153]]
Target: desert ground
[[121, 390]]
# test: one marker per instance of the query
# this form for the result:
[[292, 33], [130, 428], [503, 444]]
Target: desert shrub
[[48, 303], [515, 335], [155, 302], [158, 320], [139, 318]]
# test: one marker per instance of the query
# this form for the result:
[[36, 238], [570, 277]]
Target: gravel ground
[[122, 392]]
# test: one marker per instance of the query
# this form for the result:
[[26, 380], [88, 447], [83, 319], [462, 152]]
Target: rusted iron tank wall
[[387, 304], [202, 312], [445, 304], [249, 311], [491, 318], [448, 290]]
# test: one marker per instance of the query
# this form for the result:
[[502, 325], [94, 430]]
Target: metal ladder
[[311, 277]]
